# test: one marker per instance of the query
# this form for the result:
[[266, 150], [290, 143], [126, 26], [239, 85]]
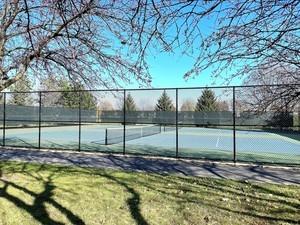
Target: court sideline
[[242, 172]]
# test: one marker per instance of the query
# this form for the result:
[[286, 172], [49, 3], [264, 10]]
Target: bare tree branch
[[107, 42]]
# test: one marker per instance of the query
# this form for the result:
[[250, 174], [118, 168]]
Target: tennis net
[[115, 135]]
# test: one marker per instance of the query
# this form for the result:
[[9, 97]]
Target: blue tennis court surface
[[252, 145]]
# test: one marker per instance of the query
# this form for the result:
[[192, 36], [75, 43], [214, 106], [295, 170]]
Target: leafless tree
[[91, 41], [270, 98], [284, 97], [106, 106], [223, 106], [231, 38], [273, 72], [50, 83], [188, 105], [240, 34], [107, 42]]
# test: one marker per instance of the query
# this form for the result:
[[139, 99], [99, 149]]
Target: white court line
[[218, 140], [217, 144]]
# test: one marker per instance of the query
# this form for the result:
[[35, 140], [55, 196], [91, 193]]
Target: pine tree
[[88, 101], [71, 99], [22, 85], [164, 103], [206, 102], [129, 104]]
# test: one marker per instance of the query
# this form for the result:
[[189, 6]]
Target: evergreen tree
[[71, 99], [164, 103], [129, 103], [88, 101], [22, 85], [206, 102]]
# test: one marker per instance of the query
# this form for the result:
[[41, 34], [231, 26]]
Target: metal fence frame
[[233, 88]]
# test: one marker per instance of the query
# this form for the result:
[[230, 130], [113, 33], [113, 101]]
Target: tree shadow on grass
[[251, 203], [259, 195], [133, 202], [38, 209], [180, 190]]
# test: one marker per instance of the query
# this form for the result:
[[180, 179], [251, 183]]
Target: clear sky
[[167, 70]]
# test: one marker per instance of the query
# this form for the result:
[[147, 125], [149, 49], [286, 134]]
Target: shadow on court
[[254, 146], [295, 135]]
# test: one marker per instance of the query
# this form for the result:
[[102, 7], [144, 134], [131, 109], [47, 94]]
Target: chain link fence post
[[124, 122], [4, 119], [176, 122], [234, 128], [40, 117], [79, 120]]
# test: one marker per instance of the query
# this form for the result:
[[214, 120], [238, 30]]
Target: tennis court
[[261, 134], [195, 142]]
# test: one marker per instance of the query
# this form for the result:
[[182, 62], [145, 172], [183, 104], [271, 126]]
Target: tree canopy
[[206, 102], [24, 85], [278, 98], [107, 42], [106, 106], [188, 105], [71, 99], [223, 105], [50, 83], [164, 103], [129, 103], [96, 42]]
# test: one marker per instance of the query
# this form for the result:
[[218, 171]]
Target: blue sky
[[167, 70]]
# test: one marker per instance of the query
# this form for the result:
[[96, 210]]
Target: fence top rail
[[157, 89]]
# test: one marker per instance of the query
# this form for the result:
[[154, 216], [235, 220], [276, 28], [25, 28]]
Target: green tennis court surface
[[196, 142]]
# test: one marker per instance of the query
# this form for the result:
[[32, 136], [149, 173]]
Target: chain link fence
[[258, 124]]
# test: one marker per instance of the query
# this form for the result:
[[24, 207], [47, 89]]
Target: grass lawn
[[44, 194]]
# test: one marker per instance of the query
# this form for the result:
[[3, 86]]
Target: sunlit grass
[[44, 194]]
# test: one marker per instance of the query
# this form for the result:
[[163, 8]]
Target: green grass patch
[[47, 194]]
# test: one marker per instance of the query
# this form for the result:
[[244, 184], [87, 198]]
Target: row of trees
[[206, 102], [64, 98]]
